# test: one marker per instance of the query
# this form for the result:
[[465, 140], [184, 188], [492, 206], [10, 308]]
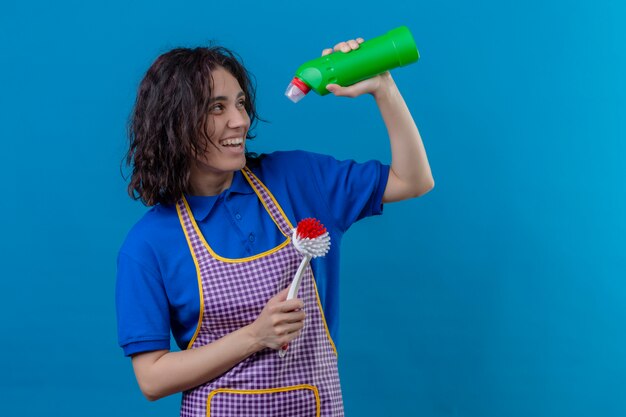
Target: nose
[[238, 118]]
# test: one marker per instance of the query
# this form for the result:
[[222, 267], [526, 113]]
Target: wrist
[[386, 88], [251, 341]]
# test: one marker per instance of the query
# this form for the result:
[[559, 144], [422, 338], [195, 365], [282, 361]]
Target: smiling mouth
[[232, 142]]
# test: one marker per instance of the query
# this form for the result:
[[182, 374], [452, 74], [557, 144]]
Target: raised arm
[[410, 174]]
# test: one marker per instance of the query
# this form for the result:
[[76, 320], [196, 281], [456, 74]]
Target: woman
[[212, 260]]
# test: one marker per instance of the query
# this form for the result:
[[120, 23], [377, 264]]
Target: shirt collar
[[201, 206]]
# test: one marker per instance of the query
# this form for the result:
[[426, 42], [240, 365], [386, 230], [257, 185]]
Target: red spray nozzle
[[296, 90]]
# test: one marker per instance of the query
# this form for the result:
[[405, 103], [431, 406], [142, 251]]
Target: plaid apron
[[232, 294]]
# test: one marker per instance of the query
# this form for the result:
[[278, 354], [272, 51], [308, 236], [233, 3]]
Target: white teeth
[[232, 142]]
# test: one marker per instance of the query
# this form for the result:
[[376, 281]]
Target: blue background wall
[[500, 293]]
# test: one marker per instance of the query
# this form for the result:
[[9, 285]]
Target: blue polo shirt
[[157, 287]]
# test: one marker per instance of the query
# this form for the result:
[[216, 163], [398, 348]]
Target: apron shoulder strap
[[270, 203], [192, 234]]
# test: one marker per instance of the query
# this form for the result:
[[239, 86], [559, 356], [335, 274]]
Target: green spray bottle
[[394, 49]]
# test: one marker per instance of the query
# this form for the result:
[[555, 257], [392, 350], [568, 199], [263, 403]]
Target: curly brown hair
[[167, 126]]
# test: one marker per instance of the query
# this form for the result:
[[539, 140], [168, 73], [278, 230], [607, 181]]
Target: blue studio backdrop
[[500, 293]]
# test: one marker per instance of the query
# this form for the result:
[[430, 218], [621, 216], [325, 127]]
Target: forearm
[[410, 174], [163, 373]]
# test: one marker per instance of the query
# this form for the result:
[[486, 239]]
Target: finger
[[284, 340], [292, 336], [336, 89], [333, 87], [360, 40], [340, 91], [353, 44], [281, 296], [294, 317], [288, 337], [343, 47], [291, 305], [287, 329], [327, 51]]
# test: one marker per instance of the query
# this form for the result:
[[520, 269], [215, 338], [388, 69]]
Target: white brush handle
[[297, 279], [293, 291]]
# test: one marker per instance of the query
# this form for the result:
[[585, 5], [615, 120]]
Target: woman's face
[[227, 126]]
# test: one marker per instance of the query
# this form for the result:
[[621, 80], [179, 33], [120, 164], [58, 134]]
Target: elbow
[[151, 392], [431, 185], [424, 188], [151, 385], [149, 376], [152, 398], [151, 395], [398, 190]]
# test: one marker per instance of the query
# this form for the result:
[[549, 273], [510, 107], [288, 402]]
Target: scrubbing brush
[[311, 239]]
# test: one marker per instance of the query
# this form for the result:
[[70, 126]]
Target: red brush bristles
[[310, 228]]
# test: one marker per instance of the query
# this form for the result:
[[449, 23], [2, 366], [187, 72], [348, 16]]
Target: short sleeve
[[353, 190], [142, 307]]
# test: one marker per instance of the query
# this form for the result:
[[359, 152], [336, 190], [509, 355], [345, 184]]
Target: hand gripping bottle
[[394, 49]]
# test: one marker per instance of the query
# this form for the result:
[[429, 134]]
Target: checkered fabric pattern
[[295, 403], [234, 295]]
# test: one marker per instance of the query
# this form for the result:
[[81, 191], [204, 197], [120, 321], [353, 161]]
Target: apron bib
[[232, 294]]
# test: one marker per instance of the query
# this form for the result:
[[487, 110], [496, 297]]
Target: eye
[[216, 108], [241, 103]]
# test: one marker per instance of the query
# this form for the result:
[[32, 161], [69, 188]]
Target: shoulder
[[307, 166], [302, 170], [279, 158], [153, 230], [290, 164]]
